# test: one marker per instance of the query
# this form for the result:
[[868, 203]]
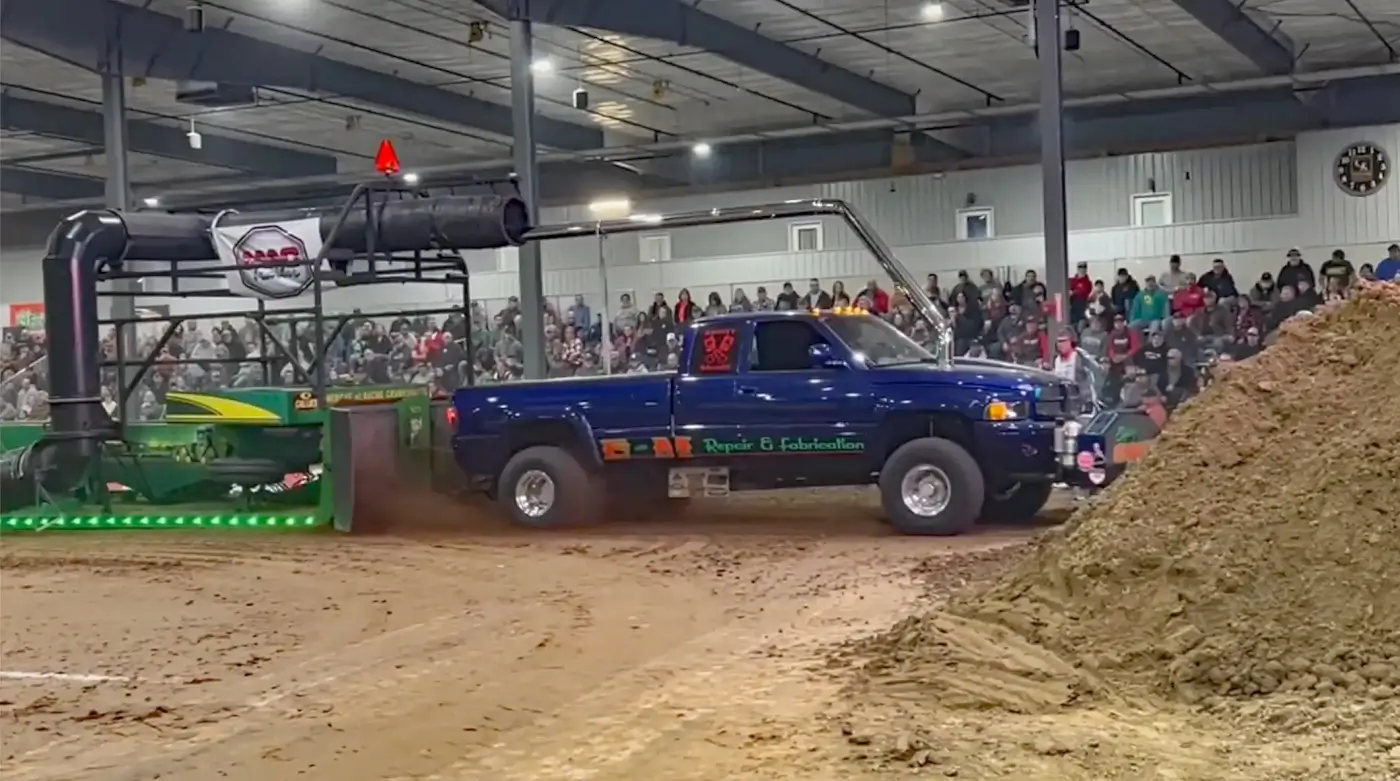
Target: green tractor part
[[250, 459]]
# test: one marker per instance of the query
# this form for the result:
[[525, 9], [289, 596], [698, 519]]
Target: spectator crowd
[[1139, 341]]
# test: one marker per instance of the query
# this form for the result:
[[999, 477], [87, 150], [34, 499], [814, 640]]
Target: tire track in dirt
[[372, 669], [720, 672]]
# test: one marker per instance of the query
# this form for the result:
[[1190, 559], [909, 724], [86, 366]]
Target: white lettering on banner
[[271, 258]]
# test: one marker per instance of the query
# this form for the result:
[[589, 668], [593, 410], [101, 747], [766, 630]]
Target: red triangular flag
[[386, 161]]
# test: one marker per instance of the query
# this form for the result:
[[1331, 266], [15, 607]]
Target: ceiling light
[[611, 208], [932, 12], [701, 149], [410, 178], [542, 66], [152, 202]]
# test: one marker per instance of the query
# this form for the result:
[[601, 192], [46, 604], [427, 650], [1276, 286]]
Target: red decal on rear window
[[718, 346]]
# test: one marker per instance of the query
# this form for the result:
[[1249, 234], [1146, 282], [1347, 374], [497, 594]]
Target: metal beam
[[1051, 130], [146, 137], [684, 24], [527, 169], [1210, 119], [49, 185], [1266, 48], [155, 45], [46, 157]]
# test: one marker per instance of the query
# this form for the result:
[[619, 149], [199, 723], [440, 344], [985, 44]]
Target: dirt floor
[[685, 648]]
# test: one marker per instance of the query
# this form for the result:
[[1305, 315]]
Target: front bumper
[[1029, 449], [1080, 453]]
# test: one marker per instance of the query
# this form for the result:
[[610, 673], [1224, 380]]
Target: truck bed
[[609, 403]]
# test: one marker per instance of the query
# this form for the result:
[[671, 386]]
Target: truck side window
[[782, 346], [716, 350]]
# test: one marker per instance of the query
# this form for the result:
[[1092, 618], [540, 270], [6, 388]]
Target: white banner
[[271, 258]]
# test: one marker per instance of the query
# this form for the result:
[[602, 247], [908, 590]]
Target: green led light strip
[[81, 522]]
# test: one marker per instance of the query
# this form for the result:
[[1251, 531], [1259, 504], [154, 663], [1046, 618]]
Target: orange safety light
[[386, 160]]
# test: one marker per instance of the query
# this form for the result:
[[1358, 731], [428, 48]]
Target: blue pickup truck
[[778, 400]]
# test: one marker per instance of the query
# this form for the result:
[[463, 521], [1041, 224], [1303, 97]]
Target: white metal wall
[[1237, 183], [1326, 211]]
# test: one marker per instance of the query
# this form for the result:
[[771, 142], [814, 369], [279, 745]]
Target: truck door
[[707, 404], [769, 399], [797, 407]]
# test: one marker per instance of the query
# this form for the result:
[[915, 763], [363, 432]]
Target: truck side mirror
[[822, 357]]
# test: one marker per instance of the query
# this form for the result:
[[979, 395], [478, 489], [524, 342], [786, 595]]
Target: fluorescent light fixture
[[611, 207], [542, 67], [701, 149], [932, 12], [152, 202], [410, 178], [648, 219]]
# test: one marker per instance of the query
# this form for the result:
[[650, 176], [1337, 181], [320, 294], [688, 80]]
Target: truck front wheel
[[546, 487], [1017, 503], [932, 486]]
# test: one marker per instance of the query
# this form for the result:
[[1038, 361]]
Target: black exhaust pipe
[[86, 243]]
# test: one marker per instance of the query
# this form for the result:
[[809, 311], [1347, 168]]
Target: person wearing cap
[[1080, 289], [1337, 272], [1221, 281], [1295, 269], [1150, 306], [1264, 292], [967, 287], [1125, 289], [1388, 270]]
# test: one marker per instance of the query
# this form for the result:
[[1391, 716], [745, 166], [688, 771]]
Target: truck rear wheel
[[932, 486], [1017, 503], [545, 487]]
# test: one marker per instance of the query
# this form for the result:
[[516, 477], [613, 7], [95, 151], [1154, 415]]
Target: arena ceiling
[[717, 92]]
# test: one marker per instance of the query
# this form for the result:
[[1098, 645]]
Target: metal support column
[[527, 169], [118, 196], [1049, 43]]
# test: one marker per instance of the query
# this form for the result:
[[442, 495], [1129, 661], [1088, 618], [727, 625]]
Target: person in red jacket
[[1123, 344], [1080, 290], [1188, 299], [879, 299], [685, 308]]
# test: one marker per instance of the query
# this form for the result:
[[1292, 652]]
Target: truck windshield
[[880, 343]]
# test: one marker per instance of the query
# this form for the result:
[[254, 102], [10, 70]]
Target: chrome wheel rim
[[534, 493], [926, 490]]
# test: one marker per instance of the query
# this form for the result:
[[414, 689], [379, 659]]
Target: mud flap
[[365, 456], [690, 482]]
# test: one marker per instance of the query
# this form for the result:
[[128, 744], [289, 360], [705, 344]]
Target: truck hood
[[1005, 369], [981, 371]]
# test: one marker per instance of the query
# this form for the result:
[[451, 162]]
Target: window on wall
[[655, 247], [1152, 210], [805, 237], [976, 223]]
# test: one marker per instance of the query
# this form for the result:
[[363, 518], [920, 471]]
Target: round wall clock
[[1362, 169]]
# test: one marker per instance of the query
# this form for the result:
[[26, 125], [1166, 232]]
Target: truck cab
[[774, 400]]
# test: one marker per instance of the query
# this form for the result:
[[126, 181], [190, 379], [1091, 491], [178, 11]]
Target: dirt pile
[[1255, 550]]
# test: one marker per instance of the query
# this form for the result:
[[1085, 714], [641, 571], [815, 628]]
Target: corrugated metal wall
[[1326, 210], [1207, 185]]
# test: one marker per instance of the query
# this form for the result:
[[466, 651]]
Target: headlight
[[1006, 410]]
